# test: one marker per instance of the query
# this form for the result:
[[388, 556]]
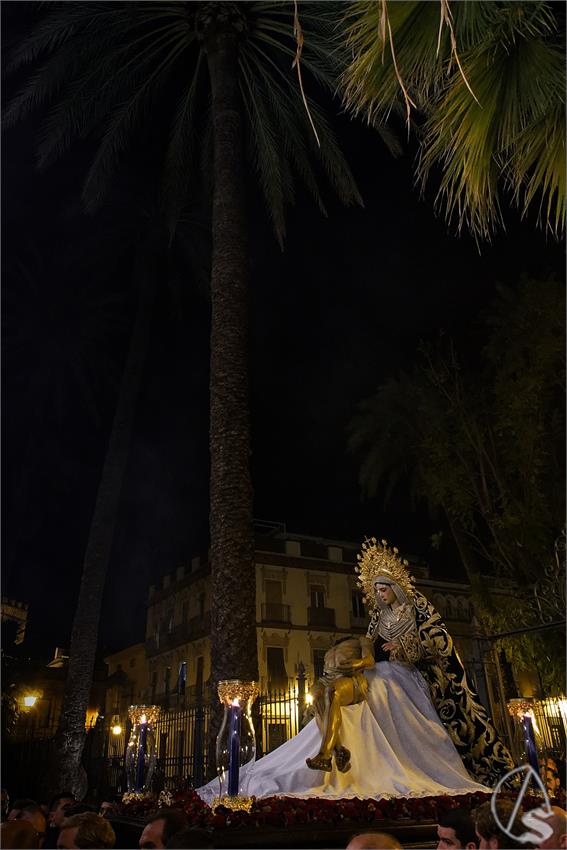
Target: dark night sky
[[342, 308]]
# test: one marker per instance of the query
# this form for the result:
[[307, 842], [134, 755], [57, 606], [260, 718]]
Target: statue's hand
[[390, 645]]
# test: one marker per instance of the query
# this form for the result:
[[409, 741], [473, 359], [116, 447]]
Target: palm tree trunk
[[68, 772], [233, 608]]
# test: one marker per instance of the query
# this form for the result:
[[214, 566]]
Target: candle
[[529, 741], [234, 748], [141, 753]]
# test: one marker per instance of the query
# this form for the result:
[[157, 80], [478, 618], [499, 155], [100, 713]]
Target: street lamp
[[30, 700]]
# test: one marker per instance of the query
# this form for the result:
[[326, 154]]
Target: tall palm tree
[[212, 84], [488, 84]]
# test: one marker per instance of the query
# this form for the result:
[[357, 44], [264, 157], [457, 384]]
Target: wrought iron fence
[[550, 717], [280, 714], [182, 736], [181, 742]]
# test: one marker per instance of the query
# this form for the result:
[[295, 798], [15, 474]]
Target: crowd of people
[[67, 824], [480, 830]]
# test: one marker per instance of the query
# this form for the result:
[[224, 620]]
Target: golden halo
[[376, 560]]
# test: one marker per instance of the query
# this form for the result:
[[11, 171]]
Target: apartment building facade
[[306, 598]]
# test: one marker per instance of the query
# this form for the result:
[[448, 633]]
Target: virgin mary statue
[[410, 726]]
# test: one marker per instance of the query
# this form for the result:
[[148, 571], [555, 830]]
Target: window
[[167, 680], [318, 662], [277, 674], [184, 612], [170, 620], [357, 604], [132, 662], [202, 605], [182, 678], [317, 595], [273, 608], [273, 592]]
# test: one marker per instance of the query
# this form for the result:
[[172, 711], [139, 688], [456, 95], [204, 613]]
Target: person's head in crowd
[[489, 834], [373, 841], [86, 830], [191, 839], [19, 835], [18, 807], [34, 814], [455, 830], [106, 808], [57, 808], [161, 827], [558, 823]]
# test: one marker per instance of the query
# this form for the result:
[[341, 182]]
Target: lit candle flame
[[143, 718], [235, 701], [531, 715]]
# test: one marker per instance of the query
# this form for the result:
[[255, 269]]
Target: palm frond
[[537, 169], [295, 148], [105, 64], [370, 85], [517, 78], [64, 22], [266, 154], [334, 163], [179, 157], [516, 73], [462, 135], [125, 119]]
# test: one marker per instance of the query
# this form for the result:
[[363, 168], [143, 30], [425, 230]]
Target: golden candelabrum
[[141, 750], [230, 690], [522, 709], [143, 714], [236, 743]]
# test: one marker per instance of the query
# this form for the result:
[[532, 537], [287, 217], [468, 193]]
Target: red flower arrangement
[[292, 811]]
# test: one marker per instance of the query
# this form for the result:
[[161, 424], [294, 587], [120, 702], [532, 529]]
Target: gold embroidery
[[411, 646]]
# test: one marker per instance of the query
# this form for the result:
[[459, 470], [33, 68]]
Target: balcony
[[183, 633], [321, 618], [275, 612]]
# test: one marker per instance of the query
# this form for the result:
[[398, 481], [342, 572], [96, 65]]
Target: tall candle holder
[[141, 750], [522, 710], [236, 741]]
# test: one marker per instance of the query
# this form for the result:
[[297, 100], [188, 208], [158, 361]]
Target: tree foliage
[[484, 444], [488, 82], [124, 73]]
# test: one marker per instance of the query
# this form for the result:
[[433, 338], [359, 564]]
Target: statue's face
[[385, 593]]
